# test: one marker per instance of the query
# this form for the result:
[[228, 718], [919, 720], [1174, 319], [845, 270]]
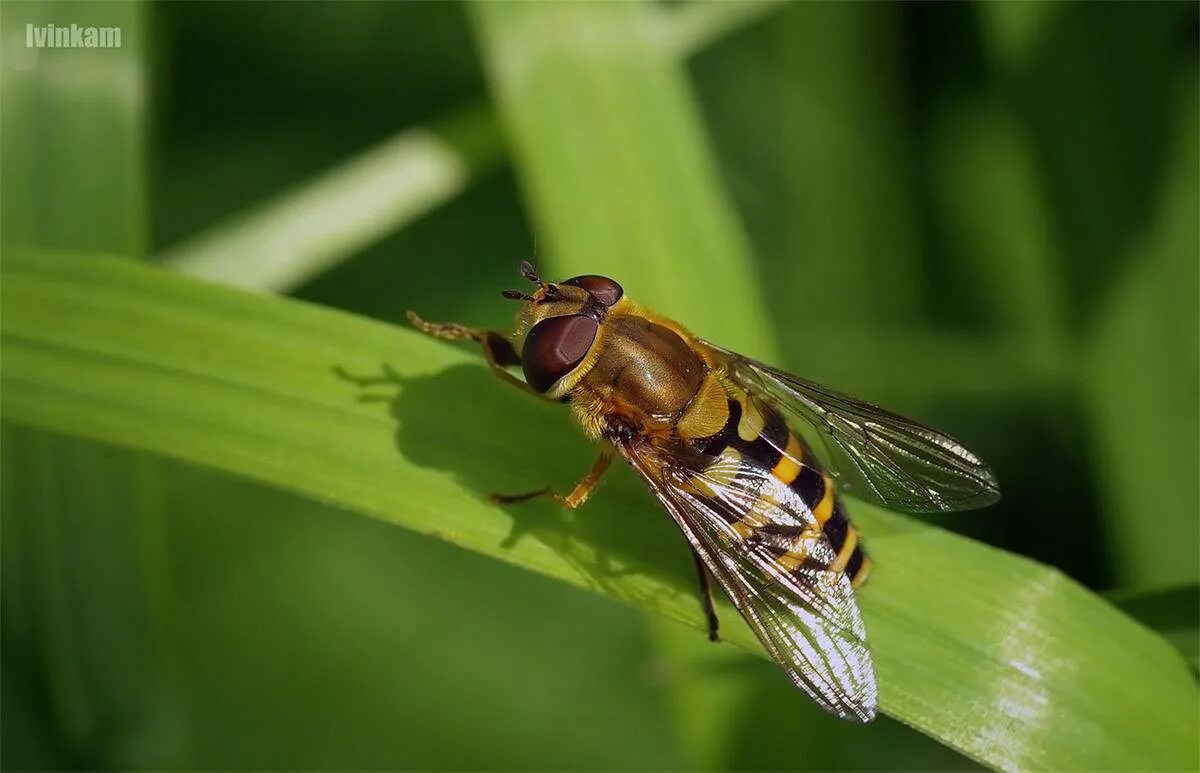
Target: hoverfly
[[727, 444]]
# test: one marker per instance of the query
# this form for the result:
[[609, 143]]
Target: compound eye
[[604, 289], [555, 347]]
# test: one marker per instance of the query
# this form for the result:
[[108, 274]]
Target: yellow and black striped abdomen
[[755, 435]]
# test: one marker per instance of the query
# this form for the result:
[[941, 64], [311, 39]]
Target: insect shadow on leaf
[[514, 443]]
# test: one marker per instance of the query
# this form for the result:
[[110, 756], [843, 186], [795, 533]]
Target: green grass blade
[[685, 28], [834, 172], [997, 219], [82, 523], [1143, 377], [1006, 660], [1172, 612], [323, 221], [367, 197], [609, 148], [73, 171]]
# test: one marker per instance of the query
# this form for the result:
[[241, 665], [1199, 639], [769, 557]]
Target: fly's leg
[[497, 349], [578, 495], [499, 353], [706, 598]]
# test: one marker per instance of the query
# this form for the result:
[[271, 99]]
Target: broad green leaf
[[1008, 661]]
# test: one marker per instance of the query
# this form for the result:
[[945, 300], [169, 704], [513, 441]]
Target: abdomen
[[756, 434]]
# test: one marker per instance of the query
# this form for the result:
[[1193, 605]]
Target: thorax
[[645, 370]]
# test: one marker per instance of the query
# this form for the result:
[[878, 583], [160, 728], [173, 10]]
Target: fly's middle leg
[[497, 349], [578, 495]]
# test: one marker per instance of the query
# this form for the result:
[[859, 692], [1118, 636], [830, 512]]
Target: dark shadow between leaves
[[492, 438]]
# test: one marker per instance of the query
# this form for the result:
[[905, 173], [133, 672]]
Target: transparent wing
[[806, 617], [875, 454]]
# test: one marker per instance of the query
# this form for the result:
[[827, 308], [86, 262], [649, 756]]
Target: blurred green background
[[981, 214]]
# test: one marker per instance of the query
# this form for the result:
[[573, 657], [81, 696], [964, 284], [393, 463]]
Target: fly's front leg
[[578, 495], [497, 349]]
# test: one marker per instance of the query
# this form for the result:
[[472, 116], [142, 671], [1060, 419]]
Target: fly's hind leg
[[497, 349], [710, 611], [578, 495]]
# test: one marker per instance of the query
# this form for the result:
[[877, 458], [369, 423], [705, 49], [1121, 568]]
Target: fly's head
[[557, 325]]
